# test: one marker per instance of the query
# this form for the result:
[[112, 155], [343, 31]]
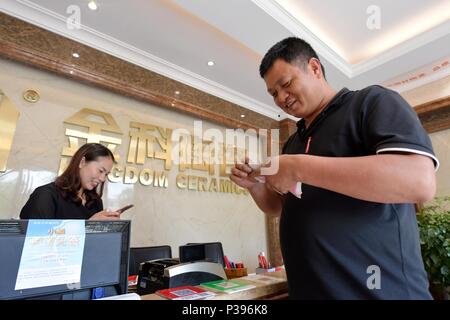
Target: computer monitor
[[142, 254], [209, 251], [104, 266]]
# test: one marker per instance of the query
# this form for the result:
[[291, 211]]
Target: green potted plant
[[434, 227]]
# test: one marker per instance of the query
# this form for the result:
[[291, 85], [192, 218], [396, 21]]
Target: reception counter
[[267, 286]]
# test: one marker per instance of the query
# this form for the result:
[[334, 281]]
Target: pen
[[265, 265], [227, 262], [260, 260]]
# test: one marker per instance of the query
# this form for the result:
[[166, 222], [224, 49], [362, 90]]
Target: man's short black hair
[[290, 50]]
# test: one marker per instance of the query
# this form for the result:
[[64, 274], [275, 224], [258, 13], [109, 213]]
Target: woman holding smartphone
[[77, 193]]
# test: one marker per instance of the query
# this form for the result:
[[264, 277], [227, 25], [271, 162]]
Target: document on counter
[[185, 293], [263, 279], [227, 286], [126, 296], [52, 253]]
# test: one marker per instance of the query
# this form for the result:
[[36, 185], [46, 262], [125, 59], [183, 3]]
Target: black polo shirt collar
[[335, 102]]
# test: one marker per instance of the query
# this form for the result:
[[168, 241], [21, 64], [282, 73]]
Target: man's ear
[[315, 65], [82, 162]]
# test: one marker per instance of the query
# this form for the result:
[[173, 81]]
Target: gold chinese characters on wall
[[9, 115], [150, 152]]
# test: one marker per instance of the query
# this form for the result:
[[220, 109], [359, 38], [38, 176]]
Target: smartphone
[[121, 210]]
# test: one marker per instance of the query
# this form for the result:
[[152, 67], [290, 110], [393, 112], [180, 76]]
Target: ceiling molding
[[421, 82], [286, 19], [402, 49], [277, 12], [433, 105], [435, 115], [120, 86], [56, 23]]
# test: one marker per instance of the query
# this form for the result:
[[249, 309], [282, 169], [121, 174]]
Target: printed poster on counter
[[52, 253]]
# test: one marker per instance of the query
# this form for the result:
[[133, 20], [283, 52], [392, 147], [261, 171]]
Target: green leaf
[[444, 270], [434, 227]]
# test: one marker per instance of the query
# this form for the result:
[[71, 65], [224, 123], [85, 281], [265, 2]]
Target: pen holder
[[235, 272]]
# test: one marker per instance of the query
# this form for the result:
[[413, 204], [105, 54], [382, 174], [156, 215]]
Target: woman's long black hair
[[69, 182]]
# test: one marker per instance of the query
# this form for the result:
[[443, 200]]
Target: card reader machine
[[169, 273]]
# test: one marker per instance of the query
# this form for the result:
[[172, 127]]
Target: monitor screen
[[191, 252], [104, 265], [209, 251]]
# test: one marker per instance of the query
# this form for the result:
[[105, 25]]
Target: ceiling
[[402, 44]]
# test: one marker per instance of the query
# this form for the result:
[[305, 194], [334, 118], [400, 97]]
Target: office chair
[[142, 254], [210, 251]]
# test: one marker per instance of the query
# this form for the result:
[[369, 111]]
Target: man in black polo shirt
[[363, 159]]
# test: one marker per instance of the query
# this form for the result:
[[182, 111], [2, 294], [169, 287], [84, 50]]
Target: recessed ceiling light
[[242, 115], [75, 55], [211, 63], [92, 5], [177, 92], [173, 104], [71, 71]]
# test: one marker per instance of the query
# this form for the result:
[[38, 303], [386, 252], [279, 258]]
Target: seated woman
[[76, 194]]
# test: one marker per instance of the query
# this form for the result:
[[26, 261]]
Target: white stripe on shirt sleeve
[[412, 151]]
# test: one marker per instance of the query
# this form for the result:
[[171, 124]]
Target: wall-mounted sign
[[202, 165], [9, 115]]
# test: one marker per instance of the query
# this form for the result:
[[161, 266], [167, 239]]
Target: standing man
[[363, 159]]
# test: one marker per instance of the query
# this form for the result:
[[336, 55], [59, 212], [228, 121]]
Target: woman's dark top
[[46, 202]]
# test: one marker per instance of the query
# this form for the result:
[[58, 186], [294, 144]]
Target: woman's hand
[[106, 215]]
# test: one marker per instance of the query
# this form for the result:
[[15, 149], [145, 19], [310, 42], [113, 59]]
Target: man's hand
[[240, 175], [267, 200], [284, 178]]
